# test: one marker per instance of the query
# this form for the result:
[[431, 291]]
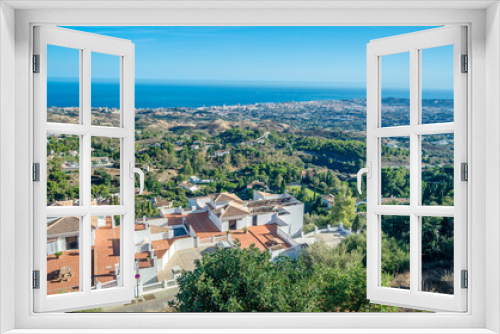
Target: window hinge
[[464, 171], [36, 63], [465, 64], [465, 279], [36, 279], [36, 172]]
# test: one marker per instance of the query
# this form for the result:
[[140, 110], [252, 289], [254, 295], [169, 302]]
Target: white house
[[189, 186], [328, 200], [221, 153], [63, 234]]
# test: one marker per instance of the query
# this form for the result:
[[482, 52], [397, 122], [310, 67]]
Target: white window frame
[[86, 44], [413, 44], [483, 308]]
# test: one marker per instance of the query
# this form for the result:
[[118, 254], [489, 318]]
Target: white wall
[[176, 246], [159, 236], [266, 218], [244, 222], [295, 219], [52, 247], [7, 164], [199, 203], [217, 222], [142, 240], [148, 275]]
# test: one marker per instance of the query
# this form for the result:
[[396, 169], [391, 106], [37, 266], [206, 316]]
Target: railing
[[286, 237], [159, 236], [152, 287], [214, 240], [149, 288]]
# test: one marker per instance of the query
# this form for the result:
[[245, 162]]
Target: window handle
[[133, 171], [368, 171]]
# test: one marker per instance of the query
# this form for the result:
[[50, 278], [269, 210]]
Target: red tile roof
[[202, 225], [67, 259], [262, 236], [105, 253], [143, 260]]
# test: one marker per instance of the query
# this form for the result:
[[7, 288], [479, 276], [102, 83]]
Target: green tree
[[244, 280], [344, 210], [187, 170]]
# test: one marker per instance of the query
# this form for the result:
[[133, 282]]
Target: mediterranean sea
[[155, 95]]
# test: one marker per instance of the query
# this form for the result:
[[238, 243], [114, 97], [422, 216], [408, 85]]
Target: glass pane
[[105, 178], [396, 251], [63, 255], [63, 170], [437, 84], [105, 89], [437, 254], [395, 164], [437, 169], [63, 85], [395, 89], [105, 252]]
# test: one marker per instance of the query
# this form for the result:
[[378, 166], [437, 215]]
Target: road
[[153, 302]]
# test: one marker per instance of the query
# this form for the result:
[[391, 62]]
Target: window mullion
[[86, 172], [415, 183], [85, 157]]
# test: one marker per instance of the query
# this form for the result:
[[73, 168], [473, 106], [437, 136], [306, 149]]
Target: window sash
[[86, 43], [413, 43]]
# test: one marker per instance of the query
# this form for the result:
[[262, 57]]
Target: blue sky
[[333, 56]]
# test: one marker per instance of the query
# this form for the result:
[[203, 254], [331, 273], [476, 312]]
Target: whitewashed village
[[167, 245]]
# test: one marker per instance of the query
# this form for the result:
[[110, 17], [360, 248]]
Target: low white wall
[[159, 236], [177, 245], [148, 275], [142, 236]]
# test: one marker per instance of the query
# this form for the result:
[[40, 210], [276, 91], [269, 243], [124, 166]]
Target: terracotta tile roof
[[263, 193], [227, 197], [143, 260], [158, 229], [105, 253], [63, 203], [328, 197], [271, 205], [231, 211], [262, 236], [162, 202], [163, 245], [139, 227], [174, 218], [67, 259], [64, 225], [202, 225]]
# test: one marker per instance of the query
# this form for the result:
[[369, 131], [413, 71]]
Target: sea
[[194, 95]]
